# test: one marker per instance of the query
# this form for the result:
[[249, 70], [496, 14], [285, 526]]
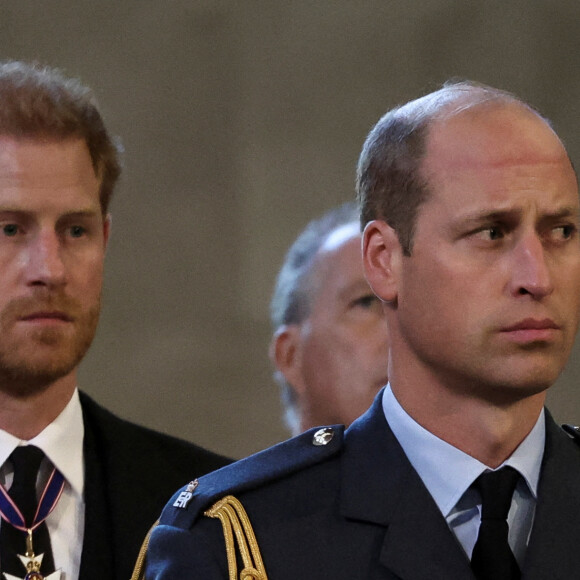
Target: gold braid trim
[[235, 520], [139, 570]]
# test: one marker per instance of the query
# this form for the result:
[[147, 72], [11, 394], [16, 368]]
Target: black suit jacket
[[356, 509], [130, 473]]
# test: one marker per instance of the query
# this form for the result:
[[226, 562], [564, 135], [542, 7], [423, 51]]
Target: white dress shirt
[[448, 473], [62, 443]]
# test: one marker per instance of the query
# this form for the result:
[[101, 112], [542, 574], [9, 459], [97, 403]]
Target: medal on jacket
[[12, 515], [32, 564]]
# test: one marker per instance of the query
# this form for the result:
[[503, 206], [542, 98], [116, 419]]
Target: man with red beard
[[58, 168]]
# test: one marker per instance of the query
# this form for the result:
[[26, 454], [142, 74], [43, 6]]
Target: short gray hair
[[292, 298]]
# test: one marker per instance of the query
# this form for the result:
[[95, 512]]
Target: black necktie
[[492, 557], [26, 461]]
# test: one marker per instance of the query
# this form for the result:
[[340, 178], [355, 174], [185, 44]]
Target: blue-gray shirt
[[448, 473]]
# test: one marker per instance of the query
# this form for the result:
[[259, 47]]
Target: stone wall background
[[242, 121]]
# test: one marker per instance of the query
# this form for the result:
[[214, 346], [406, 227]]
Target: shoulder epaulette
[[240, 539], [309, 448]]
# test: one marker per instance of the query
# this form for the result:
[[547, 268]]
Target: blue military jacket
[[354, 508]]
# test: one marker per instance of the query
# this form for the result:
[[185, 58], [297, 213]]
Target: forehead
[[22, 156], [338, 263], [34, 171], [489, 136], [497, 155], [340, 236]]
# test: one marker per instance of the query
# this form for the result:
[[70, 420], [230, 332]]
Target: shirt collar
[[61, 442], [427, 453]]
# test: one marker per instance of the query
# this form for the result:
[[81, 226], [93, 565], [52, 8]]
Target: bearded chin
[[29, 367]]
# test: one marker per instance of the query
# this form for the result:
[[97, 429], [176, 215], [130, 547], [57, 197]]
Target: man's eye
[[366, 301], [10, 229], [565, 232], [494, 233], [77, 231], [489, 233]]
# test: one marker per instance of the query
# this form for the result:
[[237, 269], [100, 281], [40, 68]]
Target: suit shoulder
[[128, 441], [273, 464]]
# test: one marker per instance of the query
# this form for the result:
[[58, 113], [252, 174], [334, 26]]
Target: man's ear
[[382, 255], [107, 225], [285, 354]]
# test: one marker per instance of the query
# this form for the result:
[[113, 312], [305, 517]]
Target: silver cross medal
[[32, 564]]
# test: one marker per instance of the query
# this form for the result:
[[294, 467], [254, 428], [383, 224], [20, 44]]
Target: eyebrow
[[564, 213], [84, 216], [77, 213], [511, 214], [86, 213]]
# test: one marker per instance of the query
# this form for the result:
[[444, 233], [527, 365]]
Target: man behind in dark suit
[[470, 207], [58, 168]]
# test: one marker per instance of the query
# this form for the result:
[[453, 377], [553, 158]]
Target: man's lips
[[532, 329], [42, 316], [533, 324]]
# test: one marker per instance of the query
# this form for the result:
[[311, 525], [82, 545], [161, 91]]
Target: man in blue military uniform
[[470, 207]]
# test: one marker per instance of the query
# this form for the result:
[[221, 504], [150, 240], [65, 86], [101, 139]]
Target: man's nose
[[530, 269], [45, 266]]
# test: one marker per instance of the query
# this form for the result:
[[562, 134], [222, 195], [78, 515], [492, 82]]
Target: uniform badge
[[323, 436], [184, 497]]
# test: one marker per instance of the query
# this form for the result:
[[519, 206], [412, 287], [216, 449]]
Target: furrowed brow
[[488, 217]]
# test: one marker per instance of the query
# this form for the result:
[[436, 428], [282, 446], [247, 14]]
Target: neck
[[488, 430], [488, 433], [26, 417]]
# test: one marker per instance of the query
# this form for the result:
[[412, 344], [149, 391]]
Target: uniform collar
[[428, 453]]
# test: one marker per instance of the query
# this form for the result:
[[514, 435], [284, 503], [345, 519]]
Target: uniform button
[[323, 436]]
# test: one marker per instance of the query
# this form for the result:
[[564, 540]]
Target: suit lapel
[[380, 486], [130, 474], [97, 556], [113, 502], [553, 548]]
